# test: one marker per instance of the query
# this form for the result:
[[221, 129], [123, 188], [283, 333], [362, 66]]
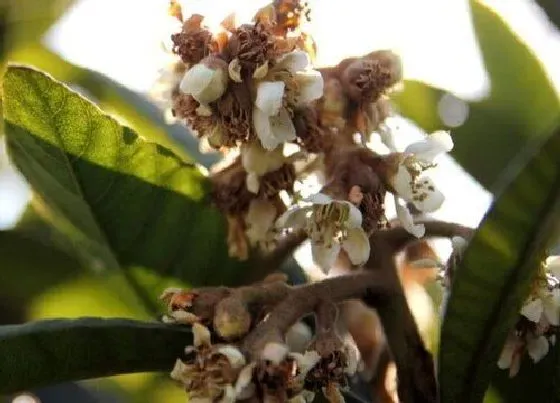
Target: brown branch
[[397, 238], [415, 368], [304, 299]]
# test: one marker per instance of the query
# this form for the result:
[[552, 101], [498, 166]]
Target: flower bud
[[232, 320], [366, 79], [206, 81]]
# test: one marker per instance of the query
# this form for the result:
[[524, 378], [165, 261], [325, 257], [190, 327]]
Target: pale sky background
[[122, 39]]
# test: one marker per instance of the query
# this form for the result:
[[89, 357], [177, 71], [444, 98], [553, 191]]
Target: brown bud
[[364, 80], [232, 319]]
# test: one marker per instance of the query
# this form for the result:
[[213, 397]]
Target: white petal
[[229, 395], [310, 86], [234, 356], [295, 218], [244, 381], [459, 244], [401, 183], [256, 158], [263, 128], [305, 362], [325, 256], [282, 126], [354, 216], [357, 246], [319, 198], [507, 352], [553, 267], [204, 84], [269, 97], [253, 183], [293, 61], [196, 79], [432, 197], [353, 358], [437, 143], [274, 352], [234, 70], [407, 221], [533, 310], [261, 71], [260, 220], [387, 138], [177, 371], [537, 348], [298, 337], [551, 307], [297, 399], [201, 335], [183, 317]]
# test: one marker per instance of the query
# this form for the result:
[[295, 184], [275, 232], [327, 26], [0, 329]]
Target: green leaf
[[24, 21], [112, 97], [496, 273], [25, 274], [123, 201], [52, 351], [522, 102]]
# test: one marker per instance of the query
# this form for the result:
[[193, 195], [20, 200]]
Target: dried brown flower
[[272, 183], [330, 369], [252, 45], [234, 109], [229, 190], [194, 42], [187, 108], [310, 135]]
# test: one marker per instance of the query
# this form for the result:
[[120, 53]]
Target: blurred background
[[488, 71]]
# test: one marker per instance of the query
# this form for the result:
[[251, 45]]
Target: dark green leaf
[[534, 382], [122, 200], [552, 10], [522, 102], [47, 352], [28, 266], [498, 267]]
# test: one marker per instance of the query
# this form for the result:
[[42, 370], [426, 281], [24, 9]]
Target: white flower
[[272, 121], [408, 182], [205, 83], [330, 225], [162, 91], [546, 307]]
